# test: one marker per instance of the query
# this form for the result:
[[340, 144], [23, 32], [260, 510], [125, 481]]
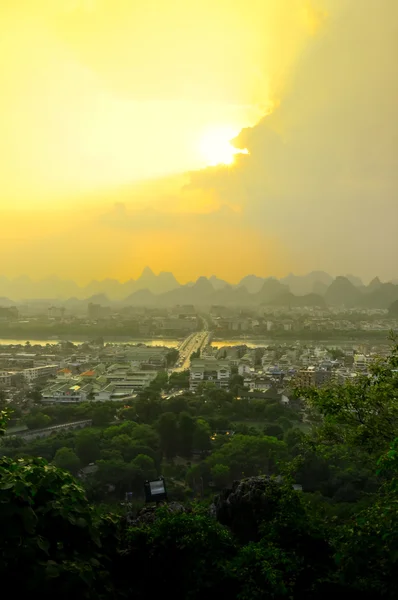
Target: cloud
[[317, 191], [322, 173]]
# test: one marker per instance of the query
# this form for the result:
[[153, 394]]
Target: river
[[173, 343]]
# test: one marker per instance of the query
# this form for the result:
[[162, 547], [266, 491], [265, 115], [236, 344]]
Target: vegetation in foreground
[[260, 539]]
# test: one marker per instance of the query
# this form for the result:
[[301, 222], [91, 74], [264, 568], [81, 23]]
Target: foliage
[[66, 459], [37, 421], [186, 551], [4, 418], [87, 446], [249, 455], [49, 538], [263, 571], [362, 412], [339, 535], [103, 415], [367, 546]]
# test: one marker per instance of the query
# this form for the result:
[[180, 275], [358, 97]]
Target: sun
[[215, 146]]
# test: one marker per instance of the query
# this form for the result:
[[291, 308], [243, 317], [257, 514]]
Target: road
[[194, 342]]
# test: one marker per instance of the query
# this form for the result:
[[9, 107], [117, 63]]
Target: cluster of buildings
[[228, 321], [96, 371], [77, 374], [102, 383], [281, 366]]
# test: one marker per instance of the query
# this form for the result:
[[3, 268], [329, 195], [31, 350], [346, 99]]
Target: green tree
[[187, 552], [172, 357], [236, 383], [160, 382], [48, 535], [186, 430], [201, 436], [273, 411], [274, 430], [146, 436], [221, 475], [362, 413], [167, 427], [37, 421], [263, 571], [87, 446], [125, 445], [366, 547], [147, 407], [102, 415], [66, 458], [144, 468], [127, 427], [115, 472], [128, 414], [4, 418], [176, 404], [249, 455], [179, 380]]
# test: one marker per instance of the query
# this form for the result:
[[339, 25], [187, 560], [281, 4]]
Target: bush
[[187, 552], [49, 541]]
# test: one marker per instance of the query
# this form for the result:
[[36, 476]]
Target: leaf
[[29, 518], [80, 522], [43, 545], [52, 569], [7, 486]]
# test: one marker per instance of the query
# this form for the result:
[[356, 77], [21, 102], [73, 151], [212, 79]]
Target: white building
[[35, 372], [209, 370], [66, 393]]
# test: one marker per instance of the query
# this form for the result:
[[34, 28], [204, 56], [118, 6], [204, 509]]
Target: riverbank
[[170, 343]]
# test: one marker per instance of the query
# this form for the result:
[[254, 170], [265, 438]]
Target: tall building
[[313, 377]]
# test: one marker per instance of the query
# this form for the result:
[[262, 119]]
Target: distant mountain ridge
[[316, 289]]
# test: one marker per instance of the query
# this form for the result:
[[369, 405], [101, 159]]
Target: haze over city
[[223, 138]]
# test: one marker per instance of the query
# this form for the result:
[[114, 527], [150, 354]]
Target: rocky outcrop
[[147, 514], [247, 504]]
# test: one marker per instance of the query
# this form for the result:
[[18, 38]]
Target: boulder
[[248, 504]]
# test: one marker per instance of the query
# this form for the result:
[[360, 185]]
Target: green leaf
[[80, 522], [43, 544], [29, 519], [7, 486], [52, 569]]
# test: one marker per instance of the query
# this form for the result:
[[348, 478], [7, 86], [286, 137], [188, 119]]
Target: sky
[[248, 136]]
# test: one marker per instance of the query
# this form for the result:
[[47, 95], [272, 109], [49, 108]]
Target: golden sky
[[117, 116]]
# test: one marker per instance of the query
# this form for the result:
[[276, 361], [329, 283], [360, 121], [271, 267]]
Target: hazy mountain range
[[314, 289]]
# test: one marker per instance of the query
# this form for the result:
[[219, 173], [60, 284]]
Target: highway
[[194, 342]]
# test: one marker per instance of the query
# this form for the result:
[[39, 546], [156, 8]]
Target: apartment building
[[44, 371], [209, 370], [313, 377]]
